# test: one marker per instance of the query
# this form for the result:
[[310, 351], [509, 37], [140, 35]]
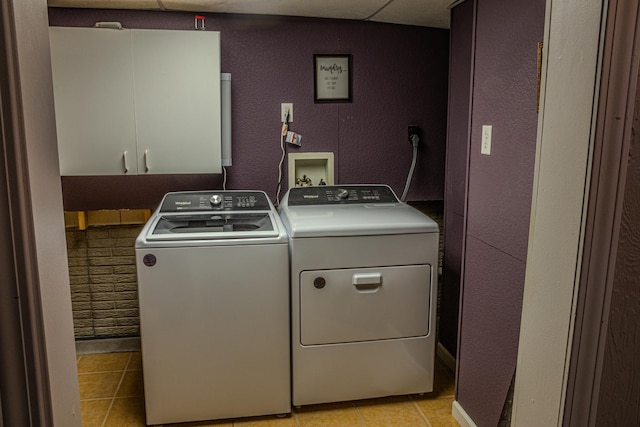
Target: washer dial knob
[[216, 200], [342, 193]]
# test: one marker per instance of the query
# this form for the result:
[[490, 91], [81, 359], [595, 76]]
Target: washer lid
[[212, 225]]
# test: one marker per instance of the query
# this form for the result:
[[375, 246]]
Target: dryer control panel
[[346, 194], [216, 201]]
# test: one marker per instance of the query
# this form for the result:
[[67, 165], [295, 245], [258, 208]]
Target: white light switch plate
[[486, 140]]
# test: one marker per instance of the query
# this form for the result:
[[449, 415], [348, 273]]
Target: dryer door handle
[[367, 282]]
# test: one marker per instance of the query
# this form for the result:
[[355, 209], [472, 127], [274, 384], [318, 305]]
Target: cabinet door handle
[[147, 165], [124, 161]]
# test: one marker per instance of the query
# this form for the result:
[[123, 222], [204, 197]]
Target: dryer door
[[351, 305]]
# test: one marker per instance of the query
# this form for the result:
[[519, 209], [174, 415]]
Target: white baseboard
[[461, 415], [446, 357]]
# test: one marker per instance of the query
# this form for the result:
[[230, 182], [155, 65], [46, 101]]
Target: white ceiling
[[426, 13]]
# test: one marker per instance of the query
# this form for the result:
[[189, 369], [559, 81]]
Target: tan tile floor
[[111, 394]]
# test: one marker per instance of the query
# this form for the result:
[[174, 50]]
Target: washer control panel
[[216, 201], [336, 195]]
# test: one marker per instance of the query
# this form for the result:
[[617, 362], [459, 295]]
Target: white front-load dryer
[[213, 285], [363, 293]]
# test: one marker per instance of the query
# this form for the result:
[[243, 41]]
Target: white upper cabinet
[[177, 82], [136, 101], [94, 105]]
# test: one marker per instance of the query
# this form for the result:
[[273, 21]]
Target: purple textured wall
[[460, 78], [399, 78], [498, 201]]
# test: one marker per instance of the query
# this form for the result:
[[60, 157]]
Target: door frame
[[569, 101], [616, 111], [39, 382]]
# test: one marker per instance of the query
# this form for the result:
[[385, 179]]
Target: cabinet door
[[177, 101], [94, 106]]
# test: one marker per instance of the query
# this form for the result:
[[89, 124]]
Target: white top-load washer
[[213, 283], [363, 293]]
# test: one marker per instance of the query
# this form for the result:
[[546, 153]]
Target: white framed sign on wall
[[332, 78]]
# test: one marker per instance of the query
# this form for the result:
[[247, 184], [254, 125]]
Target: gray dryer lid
[[352, 218]]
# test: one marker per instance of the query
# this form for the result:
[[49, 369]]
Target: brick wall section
[[102, 272]]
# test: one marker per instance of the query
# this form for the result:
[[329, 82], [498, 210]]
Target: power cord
[[224, 178], [283, 133], [415, 139], [279, 187]]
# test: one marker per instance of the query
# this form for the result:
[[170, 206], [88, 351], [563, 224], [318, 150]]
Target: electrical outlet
[[284, 108], [413, 130]]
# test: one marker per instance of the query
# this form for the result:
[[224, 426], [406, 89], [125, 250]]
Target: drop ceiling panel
[[351, 9], [427, 13]]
